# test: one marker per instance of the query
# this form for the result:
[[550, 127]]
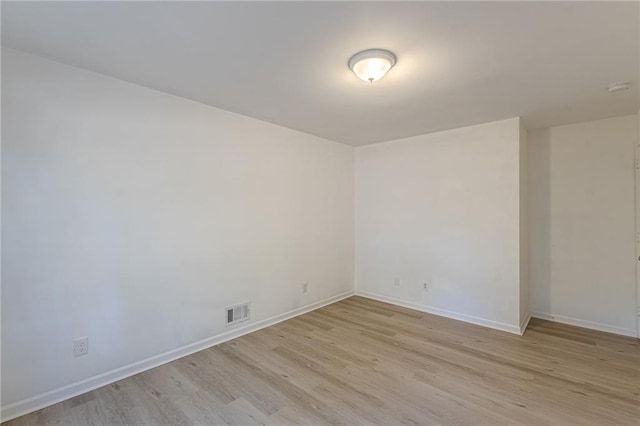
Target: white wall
[[134, 217], [582, 223], [443, 208], [524, 229]]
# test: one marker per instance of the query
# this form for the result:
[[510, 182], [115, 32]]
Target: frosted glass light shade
[[371, 65]]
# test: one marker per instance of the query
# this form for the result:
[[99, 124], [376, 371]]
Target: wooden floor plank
[[364, 362]]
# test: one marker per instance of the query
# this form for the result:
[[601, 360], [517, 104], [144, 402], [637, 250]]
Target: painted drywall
[[459, 63], [524, 229], [134, 217], [443, 209], [582, 225]]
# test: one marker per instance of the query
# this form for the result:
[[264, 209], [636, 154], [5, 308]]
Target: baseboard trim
[[443, 313], [585, 324], [524, 324], [25, 406]]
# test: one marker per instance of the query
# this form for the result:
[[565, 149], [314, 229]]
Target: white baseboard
[[443, 313], [524, 324], [42, 400], [585, 324]]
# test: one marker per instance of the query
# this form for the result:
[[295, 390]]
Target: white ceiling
[[458, 64]]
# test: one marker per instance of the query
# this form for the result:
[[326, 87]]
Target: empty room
[[320, 213]]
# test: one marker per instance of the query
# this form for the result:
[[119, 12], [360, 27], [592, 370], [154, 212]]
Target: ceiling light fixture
[[371, 65]]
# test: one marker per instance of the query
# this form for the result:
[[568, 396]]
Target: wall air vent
[[238, 313]]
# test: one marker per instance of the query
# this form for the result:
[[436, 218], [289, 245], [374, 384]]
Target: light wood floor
[[360, 361]]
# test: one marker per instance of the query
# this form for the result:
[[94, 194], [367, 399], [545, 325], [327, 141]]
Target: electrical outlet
[[396, 281], [426, 286], [305, 287], [80, 346]]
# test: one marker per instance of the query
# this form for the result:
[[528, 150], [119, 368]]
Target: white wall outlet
[[396, 281], [426, 286], [305, 287], [80, 346]]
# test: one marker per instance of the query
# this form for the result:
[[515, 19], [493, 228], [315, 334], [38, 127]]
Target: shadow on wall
[[582, 224], [539, 181]]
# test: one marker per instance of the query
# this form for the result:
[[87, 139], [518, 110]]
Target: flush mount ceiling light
[[371, 65]]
